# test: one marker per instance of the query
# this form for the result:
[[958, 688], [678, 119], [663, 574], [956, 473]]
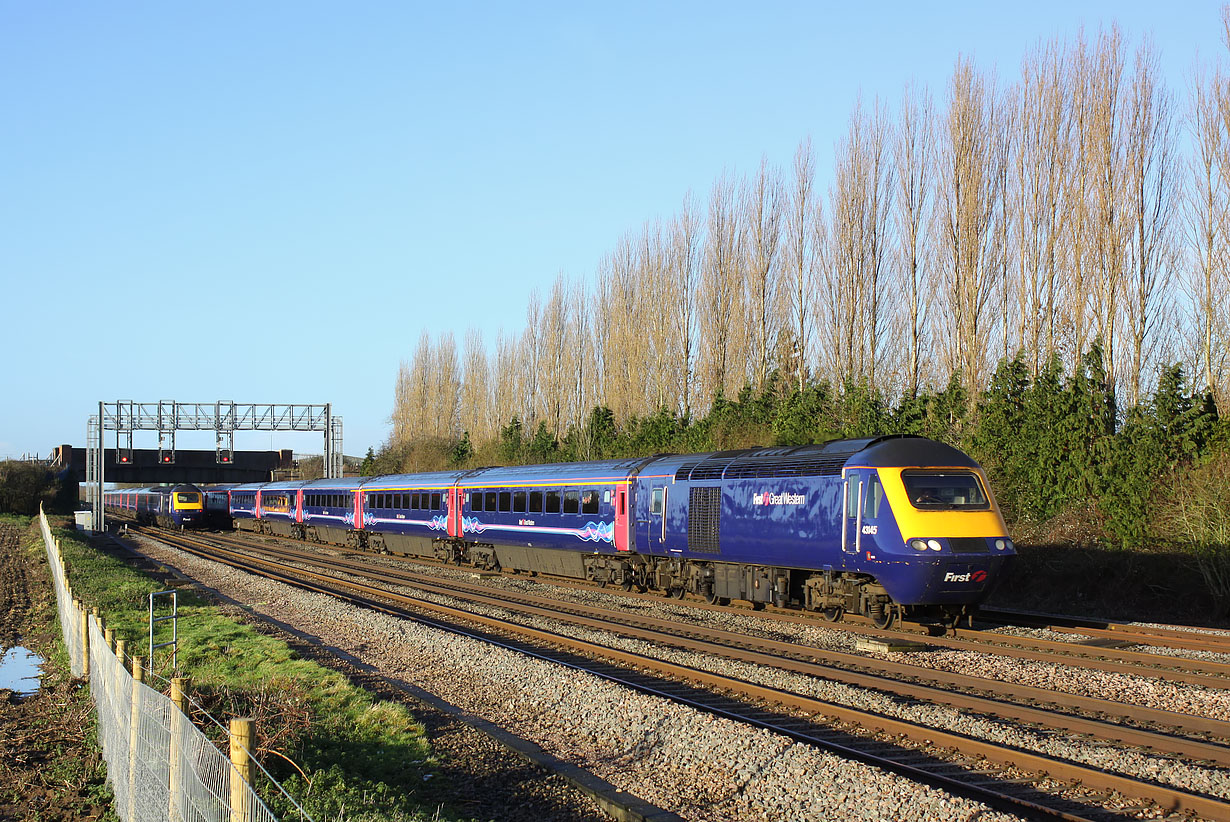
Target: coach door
[[852, 522], [623, 535], [454, 511]]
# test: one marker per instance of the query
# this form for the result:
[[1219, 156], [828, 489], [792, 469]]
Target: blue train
[[171, 506], [889, 527]]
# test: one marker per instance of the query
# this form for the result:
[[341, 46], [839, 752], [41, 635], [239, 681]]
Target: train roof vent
[[713, 467], [815, 466], [684, 470]]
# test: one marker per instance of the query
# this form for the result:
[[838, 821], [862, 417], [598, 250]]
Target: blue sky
[[269, 202]]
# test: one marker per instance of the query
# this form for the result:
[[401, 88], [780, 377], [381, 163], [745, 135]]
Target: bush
[[23, 485], [1196, 514]]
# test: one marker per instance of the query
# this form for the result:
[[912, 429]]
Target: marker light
[[1003, 544], [918, 544], [933, 544]]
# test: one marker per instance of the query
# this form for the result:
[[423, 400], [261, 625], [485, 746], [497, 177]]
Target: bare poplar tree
[[1150, 172], [476, 414], [582, 355], [913, 164], [762, 209], [530, 356], [444, 392], [683, 293], [661, 375], [972, 171], [799, 263], [1106, 146], [554, 361], [1040, 171], [506, 379], [846, 253], [1207, 212], [861, 198], [721, 310]]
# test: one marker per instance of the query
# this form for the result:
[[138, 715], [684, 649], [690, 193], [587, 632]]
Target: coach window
[[535, 502], [489, 501], [505, 500], [476, 501], [435, 502], [572, 502], [519, 502], [655, 507], [552, 502], [589, 501], [414, 501]]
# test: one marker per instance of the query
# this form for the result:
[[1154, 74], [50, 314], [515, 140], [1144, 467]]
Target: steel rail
[[1167, 797], [818, 662], [1194, 640]]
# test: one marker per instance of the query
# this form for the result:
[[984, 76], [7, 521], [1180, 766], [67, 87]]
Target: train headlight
[[1003, 545], [918, 544], [933, 544]]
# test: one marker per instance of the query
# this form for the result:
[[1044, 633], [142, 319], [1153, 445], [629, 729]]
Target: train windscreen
[[945, 490]]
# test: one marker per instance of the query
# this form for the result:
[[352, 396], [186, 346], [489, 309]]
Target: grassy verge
[[340, 752]]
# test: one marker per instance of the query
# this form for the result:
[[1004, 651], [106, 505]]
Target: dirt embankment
[[1147, 586], [49, 766]]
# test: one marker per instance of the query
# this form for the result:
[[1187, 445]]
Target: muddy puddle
[[20, 671]]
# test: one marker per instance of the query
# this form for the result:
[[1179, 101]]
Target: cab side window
[[875, 495]]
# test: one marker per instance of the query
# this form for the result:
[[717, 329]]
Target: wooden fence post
[[134, 734], [243, 736], [179, 698], [85, 645]]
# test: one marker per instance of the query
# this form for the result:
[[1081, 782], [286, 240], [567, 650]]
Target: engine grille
[[704, 519]]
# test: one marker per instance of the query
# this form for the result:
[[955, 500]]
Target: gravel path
[[682, 760]]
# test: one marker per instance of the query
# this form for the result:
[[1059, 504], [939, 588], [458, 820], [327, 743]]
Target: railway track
[[1011, 779]]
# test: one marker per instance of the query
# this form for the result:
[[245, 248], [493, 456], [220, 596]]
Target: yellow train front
[[178, 506]]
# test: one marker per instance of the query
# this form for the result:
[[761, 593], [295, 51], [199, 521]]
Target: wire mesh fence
[[159, 764]]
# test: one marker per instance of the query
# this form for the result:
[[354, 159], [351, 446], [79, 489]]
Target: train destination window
[[589, 501], [519, 502], [655, 505], [435, 502], [552, 502], [505, 500], [535, 502], [606, 497], [489, 501], [572, 502], [945, 491]]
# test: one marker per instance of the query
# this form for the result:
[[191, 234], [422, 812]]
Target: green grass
[[341, 753]]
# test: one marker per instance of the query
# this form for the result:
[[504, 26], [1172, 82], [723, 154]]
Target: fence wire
[[159, 764]]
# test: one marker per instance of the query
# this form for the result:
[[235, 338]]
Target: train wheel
[[626, 585], [833, 614], [882, 618], [679, 593]]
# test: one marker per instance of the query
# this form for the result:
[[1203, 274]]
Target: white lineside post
[[134, 735], [175, 777], [243, 737]]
